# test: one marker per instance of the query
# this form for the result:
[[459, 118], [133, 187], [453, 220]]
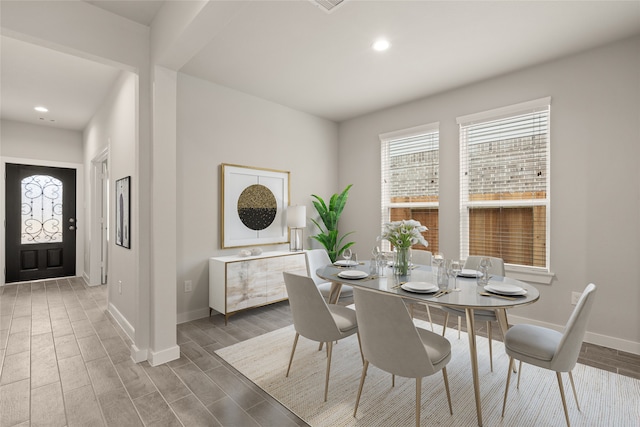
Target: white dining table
[[469, 299]]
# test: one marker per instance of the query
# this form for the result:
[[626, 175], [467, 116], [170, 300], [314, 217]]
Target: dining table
[[469, 298]]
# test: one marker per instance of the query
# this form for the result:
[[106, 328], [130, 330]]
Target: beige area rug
[[606, 399]]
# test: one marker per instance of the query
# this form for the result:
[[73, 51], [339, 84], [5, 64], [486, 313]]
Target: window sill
[[530, 275]]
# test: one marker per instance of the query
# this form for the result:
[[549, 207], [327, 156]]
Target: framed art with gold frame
[[253, 206]]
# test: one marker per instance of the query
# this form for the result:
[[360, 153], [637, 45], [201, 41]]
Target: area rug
[[606, 399]]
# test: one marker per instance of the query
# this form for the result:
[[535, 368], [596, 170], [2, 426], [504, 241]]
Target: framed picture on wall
[[254, 203], [123, 212]]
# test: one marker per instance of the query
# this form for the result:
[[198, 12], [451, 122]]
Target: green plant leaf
[[330, 215]]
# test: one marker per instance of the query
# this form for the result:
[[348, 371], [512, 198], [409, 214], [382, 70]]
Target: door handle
[[72, 220], [71, 227]]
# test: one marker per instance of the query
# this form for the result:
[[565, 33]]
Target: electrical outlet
[[575, 297], [188, 286], [120, 287]]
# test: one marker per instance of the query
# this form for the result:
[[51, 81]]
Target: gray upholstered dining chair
[[497, 268], [391, 342], [316, 320], [317, 258], [550, 349]]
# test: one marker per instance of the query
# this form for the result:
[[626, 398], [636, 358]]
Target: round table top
[[469, 295]]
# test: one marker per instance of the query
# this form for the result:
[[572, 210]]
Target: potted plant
[[330, 215]]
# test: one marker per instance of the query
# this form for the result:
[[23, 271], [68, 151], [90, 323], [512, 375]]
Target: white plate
[[352, 274], [418, 291], [345, 262], [423, 287], [505, 289], [469, 273]]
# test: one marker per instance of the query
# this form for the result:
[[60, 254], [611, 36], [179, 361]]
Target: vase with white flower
[[402, 235]]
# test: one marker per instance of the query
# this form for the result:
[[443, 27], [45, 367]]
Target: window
[[410, 161], [504, 184]]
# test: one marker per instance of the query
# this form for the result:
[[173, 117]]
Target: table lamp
[[296, 221]]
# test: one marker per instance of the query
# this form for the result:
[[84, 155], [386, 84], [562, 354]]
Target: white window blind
[[504, 184], [410, 178]]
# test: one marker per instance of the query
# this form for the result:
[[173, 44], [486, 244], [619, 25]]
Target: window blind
[[410, 181], [504, 185]]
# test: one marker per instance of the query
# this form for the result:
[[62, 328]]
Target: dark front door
[[41, 222]]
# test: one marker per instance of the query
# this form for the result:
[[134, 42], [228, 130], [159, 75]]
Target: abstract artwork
[[254, 202], [123, 212]]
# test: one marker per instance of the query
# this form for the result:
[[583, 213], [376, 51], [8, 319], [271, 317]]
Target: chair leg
[[459, 325], [506, 389], [429, 315], [360, 346], [364, 374], [446, 319], [326, 382], [418, 400], [446, 387], [564, 401], [519, 372], [490, 345], [411, 310], [575, 395], [293, 350]]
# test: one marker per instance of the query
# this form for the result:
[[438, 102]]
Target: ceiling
[[295, 54]]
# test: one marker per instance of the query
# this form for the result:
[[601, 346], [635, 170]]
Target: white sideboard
[[238, 283]]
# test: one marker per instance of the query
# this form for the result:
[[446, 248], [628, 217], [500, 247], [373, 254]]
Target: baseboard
[[590, 337], [159, 357], [87, 280], [138, 355], [192, 315], [122, 321]]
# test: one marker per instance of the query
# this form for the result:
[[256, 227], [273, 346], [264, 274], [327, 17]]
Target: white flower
[[405, 233]]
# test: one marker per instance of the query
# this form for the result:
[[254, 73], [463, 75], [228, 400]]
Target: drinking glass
[[346, 254], [455, 268], [483, 278]]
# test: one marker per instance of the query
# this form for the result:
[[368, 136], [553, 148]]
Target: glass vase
[[402, 262]]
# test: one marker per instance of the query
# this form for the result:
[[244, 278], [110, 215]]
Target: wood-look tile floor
[[63, 361]]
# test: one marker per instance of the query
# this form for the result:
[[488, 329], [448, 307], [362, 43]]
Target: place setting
[[504, 290], [353, 274], [347, 262]]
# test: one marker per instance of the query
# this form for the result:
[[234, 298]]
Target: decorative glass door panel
[[41, 210]]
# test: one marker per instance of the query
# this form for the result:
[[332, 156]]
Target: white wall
[[30, 141], [114, 127], [595, 190], [219, 125]]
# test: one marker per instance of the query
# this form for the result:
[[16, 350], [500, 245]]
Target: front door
[[41, 222]]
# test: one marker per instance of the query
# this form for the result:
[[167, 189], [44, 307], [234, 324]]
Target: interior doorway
[[99, 262]]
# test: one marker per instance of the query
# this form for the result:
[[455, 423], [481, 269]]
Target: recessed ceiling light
[[381, 45], [41, 109]]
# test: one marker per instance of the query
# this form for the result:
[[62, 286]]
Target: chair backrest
[[421, 257], [389, 338], [497, 264], [316, 258], [568, 349], [311, 316]]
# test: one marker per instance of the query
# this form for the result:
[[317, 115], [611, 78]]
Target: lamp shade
[[297, 216]]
